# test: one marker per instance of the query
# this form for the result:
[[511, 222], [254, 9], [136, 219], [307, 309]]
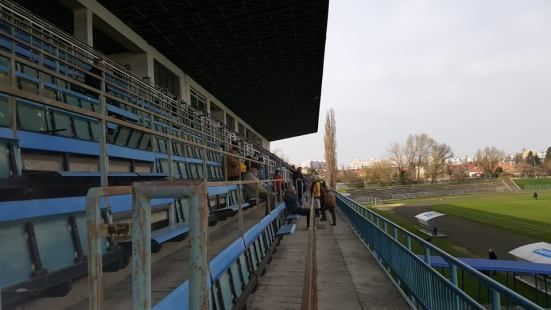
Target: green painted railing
[[406, 259]]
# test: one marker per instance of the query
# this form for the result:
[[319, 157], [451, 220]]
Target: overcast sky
[[469, 73]]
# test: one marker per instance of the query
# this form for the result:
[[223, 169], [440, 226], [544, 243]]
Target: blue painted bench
[[287, 229], [230, 207], [292, 217], [230, 275], [176, 231], [234, 272]]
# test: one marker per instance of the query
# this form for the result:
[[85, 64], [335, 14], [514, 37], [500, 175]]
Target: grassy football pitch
[[516, 212]]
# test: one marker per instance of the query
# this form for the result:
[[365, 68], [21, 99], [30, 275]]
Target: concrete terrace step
[[348, 276]]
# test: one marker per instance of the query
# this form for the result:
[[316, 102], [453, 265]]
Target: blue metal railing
[[424, 286]]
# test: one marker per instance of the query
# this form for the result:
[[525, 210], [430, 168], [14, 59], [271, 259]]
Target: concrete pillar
[[184, 89], [151, 68], [83, 29]]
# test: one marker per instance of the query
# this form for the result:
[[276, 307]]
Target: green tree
[[533, 159]]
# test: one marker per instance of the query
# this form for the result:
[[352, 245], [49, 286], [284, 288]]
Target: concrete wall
[[139, 63]]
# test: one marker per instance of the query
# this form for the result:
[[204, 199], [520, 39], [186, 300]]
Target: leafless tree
[[330, 144], [423, 150], [489, 158], [410, 153], [440, 153], [397, 155], [417, 151], [381, 172]]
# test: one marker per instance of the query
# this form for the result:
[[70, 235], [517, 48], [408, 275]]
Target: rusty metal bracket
[[117, 231], [95, 236]]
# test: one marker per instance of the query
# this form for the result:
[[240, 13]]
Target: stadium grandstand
[[118, 120], [380, 194]]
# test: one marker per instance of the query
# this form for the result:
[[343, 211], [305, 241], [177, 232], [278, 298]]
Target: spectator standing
[[246, 166], [315, 192], [331, 204], [233, 164], [323, 207], [250, 189], [492, 255], [278, 180], [298, 181]]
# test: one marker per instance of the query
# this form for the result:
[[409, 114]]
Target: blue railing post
[[496, 302], [413, 273], [427, 255], [142, 193], [431, 284], [141, 251], [95, 235], [453, 276], [198, 221], [93, 218]]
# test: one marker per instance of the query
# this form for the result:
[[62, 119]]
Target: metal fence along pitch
[[423, 286]]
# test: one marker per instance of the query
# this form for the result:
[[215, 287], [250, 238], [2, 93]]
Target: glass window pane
[[5, 170], [31, 117], [62, 124], [175, 169], [82, 128], [183, 170], [162, 145], [72, 100], [5, 111], [145, 143], [135, 139], [88, 105], [94, 126], [164, 165], [122, 136], [193, 170], [200, 171]]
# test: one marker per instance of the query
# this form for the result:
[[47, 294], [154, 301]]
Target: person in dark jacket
[[291, 202], [323, 206], [492, 254], [298, 182]]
